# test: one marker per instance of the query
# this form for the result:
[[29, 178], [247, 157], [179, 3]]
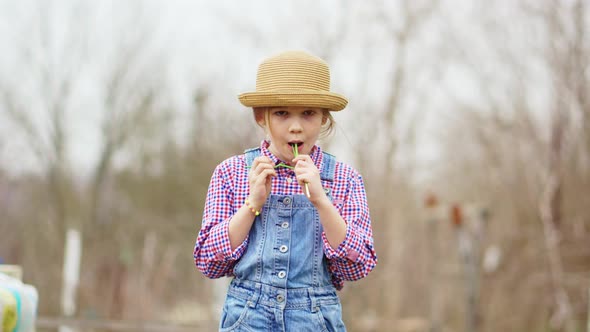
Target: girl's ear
[[259, 116], [325, 115]]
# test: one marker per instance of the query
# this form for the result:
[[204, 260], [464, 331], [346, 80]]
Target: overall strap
[[328, 166], [251, 154]]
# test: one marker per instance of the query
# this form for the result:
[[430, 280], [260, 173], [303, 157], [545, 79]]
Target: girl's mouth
[[299, 144], [295, 146]]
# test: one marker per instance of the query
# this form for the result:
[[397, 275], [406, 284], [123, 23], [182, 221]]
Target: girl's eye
[[309, 113], [280, 113]]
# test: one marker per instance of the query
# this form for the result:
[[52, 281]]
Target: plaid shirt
[[354, 258]]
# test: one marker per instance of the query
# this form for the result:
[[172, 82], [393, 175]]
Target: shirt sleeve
[[212, 253], [355, 257]]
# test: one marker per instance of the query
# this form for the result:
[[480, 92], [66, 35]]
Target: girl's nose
[[295, 127]]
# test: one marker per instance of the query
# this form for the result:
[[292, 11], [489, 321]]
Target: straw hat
[[293, 78]]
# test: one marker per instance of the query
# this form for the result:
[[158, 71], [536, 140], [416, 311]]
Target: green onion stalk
[[296, 153]]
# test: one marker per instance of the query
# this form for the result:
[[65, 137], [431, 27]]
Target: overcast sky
[[220, 44]]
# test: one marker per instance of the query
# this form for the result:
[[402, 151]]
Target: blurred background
[[469, 120]]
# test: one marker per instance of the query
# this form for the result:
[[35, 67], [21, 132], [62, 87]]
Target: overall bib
[[282, 281]]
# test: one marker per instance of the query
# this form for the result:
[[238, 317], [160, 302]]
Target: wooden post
[[466, 251], [431, 203], [470, 266], [71, 275]]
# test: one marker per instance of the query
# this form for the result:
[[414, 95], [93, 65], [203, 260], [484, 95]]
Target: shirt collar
[[316, 154]]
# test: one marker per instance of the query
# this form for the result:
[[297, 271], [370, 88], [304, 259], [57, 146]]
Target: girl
[[286, 220]]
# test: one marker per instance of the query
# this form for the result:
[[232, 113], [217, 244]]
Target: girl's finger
[[301, 169], [261, 163], [261, 178], [305, 164], [262, 166], [308, 174], [302, 178], [260, 160], [303, 157], [255, 164]]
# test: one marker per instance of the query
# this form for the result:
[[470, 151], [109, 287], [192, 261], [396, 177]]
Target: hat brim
[[321, 99]]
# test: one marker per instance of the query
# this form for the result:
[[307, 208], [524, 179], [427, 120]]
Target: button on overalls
[[282, 281]]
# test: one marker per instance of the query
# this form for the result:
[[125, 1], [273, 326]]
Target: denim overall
[[282, 281]]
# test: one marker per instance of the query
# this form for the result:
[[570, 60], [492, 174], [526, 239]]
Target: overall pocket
[[235, 310], [330, 316]]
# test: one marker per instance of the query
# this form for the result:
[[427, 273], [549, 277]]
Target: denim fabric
[[282, 281], [252, 306]]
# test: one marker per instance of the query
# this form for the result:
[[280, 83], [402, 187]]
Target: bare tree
[[565, 56], [56, 58], [510, 133], [402, 26]]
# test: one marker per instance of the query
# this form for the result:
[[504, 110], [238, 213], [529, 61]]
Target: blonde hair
[[261, 113]]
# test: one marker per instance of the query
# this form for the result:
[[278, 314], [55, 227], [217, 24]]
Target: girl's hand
[[259, 178], [307, 172]]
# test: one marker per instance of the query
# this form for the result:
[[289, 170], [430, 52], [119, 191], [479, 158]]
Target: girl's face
[[292, 125]]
